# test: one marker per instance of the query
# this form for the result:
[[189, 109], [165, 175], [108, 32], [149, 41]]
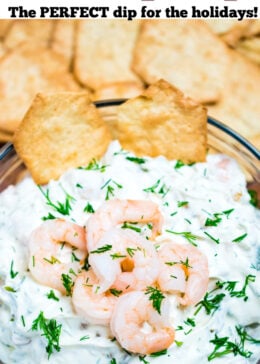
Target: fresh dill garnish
[[253, 198], [136, 160], [210, 303], [86, 264], [89, 208], [110, 186], [74, 258], [223, 345], [178, 343], [94, 166], [213, 222], [131, 251], [86, 337], [231, 285], [117, 256], [113, 361], [79, 185], [212, 237], [51, 330], [187, 235], [174, 213], [239, 238], [67, 283], [156, 296], [158, 188], [159, 353], [190, 322], [115, 292], [182, 262], [102, 249], [51, 296], [180, 164], [63, 208], [49, 217], [228, 212], [182, 203], [132, 226], [143, 360], [12, 273], [52, 260], [23, 320]]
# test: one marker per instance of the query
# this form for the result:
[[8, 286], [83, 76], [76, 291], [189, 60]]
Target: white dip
[[187, 196]]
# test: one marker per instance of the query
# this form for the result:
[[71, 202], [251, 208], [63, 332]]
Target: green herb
[[190, 322], [136, 160], [53, 260], [79, 185], [143, 360], [159, 353], [174, 213], [213, 222], [50, 330], [110, 188], [224, 346], [33, 261], [187, 235], [211, 237], [102, 249], [231, 285], [12, 273], [49, 217], [89, 208], [86, 265], [113, 361], [117, 256], [182, 203], [94, 166], [9, 289], [178, 343], [153, 187], [228, 212], [158, 189], [74, 258], [239, 238], [210, 303], [86, 337], [51, 296], [131, 251], [179, 164], [253, 198], [127, 225], [188, 221], [115, 292], [67, 283], [62, 208], [23, 320], [156, 296]]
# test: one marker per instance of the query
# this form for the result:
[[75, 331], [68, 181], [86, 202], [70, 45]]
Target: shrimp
[[124, 260], [88, 302], [117, 211], [138, 327], [56, 247], [184, 269]]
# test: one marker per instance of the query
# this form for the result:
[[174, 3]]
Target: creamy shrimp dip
[[205, 205]]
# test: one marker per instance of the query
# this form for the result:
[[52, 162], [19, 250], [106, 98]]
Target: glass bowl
[[221, 139]]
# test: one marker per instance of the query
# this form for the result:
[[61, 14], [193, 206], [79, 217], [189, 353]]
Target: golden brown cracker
[[2, 49], [185, 53], [118, 90], [250, 48], [60, 131], [24, 72], [5, 25], [239, 106], [5, 137], [103, 51], [162, 121], [29, 30], [63, 39]]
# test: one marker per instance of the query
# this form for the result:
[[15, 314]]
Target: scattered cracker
[[30, 30], [2, 49], [239, 107], [23, 73], [162, 121], [104, 50], [185, 53], [63, 39], [5, 25], [118, 90], [250, 48], [5, 137], [60, 131]]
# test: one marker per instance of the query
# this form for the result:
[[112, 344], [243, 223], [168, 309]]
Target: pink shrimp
[[56, 247], [184, 269], [114, 212]]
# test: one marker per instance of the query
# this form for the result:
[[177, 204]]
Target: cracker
[[30, 30], [5, 137], [60, 131], [239, 107], [162, 121], [2, 49], [5, 25], [104, 50], [185, 53], [63, 39], [23, 73], [118, 90]]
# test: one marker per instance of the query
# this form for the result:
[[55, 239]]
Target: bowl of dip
[[206, 205]]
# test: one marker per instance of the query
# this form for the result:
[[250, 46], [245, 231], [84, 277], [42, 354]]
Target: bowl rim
[[8, 147]]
